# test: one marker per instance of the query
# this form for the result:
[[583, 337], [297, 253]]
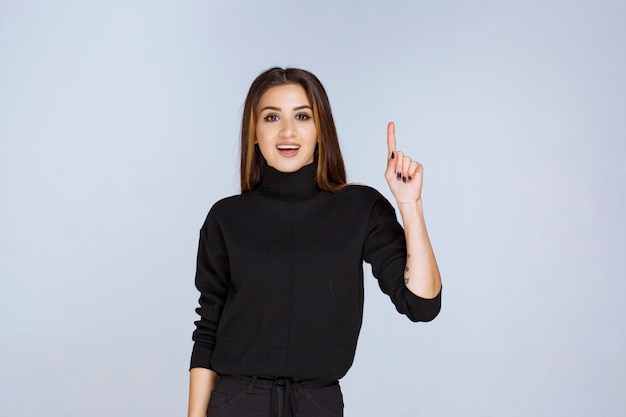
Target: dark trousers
[[240, 396]]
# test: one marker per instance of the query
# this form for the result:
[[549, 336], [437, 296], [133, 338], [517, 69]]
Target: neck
[[298, 185]]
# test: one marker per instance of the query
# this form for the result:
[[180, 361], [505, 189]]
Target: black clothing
[[237, 396], [280, 272]]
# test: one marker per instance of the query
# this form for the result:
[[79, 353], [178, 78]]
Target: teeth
[[286, 147]]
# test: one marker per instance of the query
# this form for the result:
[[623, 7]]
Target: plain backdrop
[[119, 125]]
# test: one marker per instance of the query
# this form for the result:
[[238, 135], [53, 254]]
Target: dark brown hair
[[331, 173]]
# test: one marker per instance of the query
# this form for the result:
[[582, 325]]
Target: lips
[[288, 150]]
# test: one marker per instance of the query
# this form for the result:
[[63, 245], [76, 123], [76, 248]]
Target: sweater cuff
[[422, 309], [201, 355]]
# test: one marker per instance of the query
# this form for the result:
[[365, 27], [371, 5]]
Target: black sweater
[[280, 272]]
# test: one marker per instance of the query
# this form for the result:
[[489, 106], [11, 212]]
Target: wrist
[[417, 202], [410, 210]]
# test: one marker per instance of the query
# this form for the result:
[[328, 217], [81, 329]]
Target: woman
[[280, 266]]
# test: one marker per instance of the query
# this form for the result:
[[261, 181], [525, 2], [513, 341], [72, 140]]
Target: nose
[[287, 128]]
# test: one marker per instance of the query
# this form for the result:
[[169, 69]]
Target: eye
[[271, 118], [303, 116]]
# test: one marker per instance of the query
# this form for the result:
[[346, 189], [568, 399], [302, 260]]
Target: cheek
[[311, 134], [259, 134]]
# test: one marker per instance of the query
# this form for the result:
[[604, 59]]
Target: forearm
[[421, 274], [201, 383]]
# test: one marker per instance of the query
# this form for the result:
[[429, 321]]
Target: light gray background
[[118, 130]]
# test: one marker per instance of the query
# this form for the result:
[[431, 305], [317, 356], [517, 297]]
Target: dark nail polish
[[393, 155], [403, 179], [399, 175], [410, 178]]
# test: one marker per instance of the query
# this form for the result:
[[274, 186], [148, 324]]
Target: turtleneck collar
[[298, 185]]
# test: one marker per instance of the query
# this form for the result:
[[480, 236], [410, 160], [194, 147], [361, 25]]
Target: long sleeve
[[212, 280], [385, 251]]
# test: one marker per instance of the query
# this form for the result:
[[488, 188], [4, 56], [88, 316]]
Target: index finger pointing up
[[391, 138]]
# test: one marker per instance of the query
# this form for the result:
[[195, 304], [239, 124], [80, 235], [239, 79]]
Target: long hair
[[331, 173]]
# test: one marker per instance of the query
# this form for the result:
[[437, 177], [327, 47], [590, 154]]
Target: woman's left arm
[[405, 176]]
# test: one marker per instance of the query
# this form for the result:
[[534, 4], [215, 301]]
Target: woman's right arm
[[212, 280], [201, 383]]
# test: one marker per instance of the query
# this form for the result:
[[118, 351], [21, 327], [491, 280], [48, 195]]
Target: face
[[285, 130]]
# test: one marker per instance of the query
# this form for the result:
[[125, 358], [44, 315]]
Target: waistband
[[280, 387], [267, 382]]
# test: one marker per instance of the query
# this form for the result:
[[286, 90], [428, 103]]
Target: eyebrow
[[306, 106]]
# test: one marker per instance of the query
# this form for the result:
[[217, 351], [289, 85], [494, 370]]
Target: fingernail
[[403, 179], [393, 155], [410, 178], [399, 175]]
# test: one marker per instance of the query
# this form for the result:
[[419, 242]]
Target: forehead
[[288, 94]]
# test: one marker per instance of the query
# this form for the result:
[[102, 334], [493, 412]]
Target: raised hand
[[404, 175]]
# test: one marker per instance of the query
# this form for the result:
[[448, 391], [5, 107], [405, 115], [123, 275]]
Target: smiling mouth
[[288, 150]]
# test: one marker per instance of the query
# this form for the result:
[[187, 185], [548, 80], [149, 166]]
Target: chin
[[288, 167]]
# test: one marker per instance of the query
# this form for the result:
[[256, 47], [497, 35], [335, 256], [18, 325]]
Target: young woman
[[280, 266]]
